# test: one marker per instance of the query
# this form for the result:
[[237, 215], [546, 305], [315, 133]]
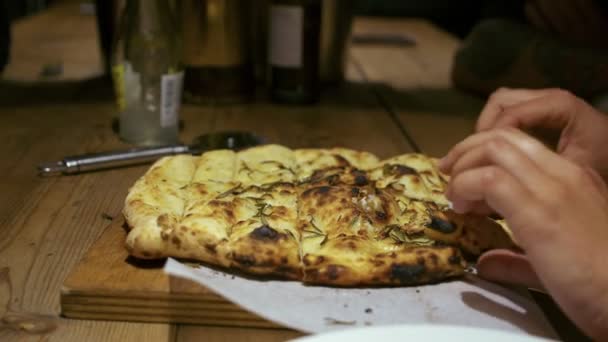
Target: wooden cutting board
[[108, 284]]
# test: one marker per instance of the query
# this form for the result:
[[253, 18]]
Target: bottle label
[[171, 96], [118, 75], [286, 35]]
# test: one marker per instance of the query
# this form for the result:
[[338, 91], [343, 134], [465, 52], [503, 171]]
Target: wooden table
[[397, 99]]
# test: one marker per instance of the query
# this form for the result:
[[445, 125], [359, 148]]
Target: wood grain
[[414, 82], [107, 284], [60, 35], [47, 224]]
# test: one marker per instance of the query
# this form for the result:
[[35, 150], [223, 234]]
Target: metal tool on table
[[135, 156]]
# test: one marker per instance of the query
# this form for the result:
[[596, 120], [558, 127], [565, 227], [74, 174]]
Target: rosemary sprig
[[280, 166], [315, 231], [246, 168], [261, 206], [354, 221], [397, 234], [228, 192], [292, 234]]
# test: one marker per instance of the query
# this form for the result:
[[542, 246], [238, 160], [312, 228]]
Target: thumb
[[505, 266]]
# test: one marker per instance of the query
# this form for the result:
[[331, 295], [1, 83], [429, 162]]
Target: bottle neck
[[150, 15]]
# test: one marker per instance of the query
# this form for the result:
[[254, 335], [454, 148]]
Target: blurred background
[[515, 43], [59, 39]]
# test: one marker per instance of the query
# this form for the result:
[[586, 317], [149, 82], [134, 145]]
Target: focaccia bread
[[323, 216]]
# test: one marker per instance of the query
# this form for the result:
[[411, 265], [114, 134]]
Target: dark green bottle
[[293, 56]]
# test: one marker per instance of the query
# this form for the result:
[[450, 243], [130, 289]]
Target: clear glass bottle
[[147, 73]]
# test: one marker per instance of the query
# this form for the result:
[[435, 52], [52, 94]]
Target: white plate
[[420, 333]]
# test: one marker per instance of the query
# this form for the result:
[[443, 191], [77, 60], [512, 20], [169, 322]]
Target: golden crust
[[310, 160], [336, 265], [155, 204], [324, 216]]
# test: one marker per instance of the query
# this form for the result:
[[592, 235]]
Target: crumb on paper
[[471, 269], [368, 310], [367, 323], [333, 321], [417, 290], [345, 306]]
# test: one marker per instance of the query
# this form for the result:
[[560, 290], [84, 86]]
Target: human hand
[[581, 130], [579, 21], [556, 209]]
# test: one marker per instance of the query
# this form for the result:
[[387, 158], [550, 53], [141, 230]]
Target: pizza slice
[[351, 236], [418, 187], [263, 238], [208, 214], [155, 204]]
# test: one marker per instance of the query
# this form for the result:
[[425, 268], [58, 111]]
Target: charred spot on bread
[[210, 248], [265, 233], [334, 271], [441, 225], [381, 216], [455, 259], [321, 190], [406, 273], [244, 260], [163, 221], [397, 170], [360, 178]]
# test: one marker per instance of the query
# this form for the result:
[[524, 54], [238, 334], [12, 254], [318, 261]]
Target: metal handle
[[96, 161]]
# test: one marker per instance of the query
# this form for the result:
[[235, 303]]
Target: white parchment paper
[[316, 309]]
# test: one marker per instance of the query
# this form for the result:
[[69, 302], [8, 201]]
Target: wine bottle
[[217, 51], [147, 74], [293, 57]]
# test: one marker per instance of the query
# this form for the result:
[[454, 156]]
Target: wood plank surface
[[414, 82], [47, 224], [61, 36], [107, 284]]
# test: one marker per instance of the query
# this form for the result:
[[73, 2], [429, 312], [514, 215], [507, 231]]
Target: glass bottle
[[217, 50], [294, 43], [147, 73]]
